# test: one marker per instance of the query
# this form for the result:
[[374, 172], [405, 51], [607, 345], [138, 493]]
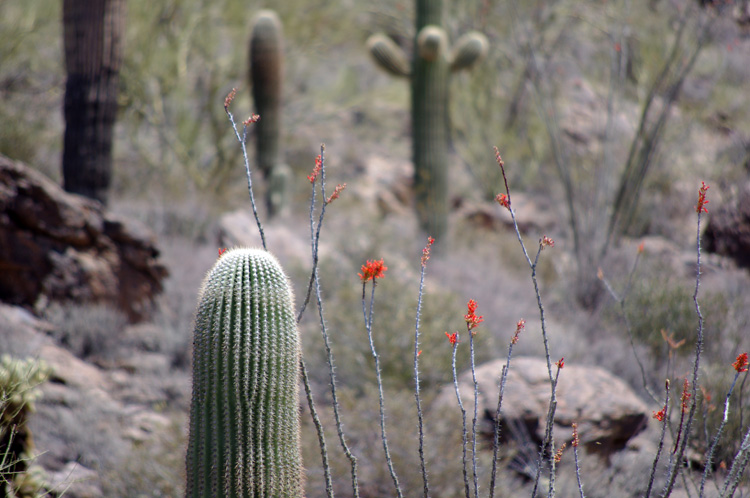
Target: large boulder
[[57, 246], [607, 411], [89, 419], [728, 230]]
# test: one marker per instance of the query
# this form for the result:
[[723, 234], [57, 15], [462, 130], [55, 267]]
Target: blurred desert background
[[576, 95]]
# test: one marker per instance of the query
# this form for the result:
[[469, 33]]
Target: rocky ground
[[112, 403]]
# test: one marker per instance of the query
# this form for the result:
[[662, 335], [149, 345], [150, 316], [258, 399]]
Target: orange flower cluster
[[472, 320], [254, 118], [372, 269], [336, 192], [741, 363], [559, 453], [499, 159], [316, 171], [519, 327], [576, 439], [685, 398], [452, 338], [426, 251], [230, 98], [660, 414], [503, 200], [702, 201]]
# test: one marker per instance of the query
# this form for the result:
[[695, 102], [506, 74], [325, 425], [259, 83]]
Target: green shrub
[[19, 380]]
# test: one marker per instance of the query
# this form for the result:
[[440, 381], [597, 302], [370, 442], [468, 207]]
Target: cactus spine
[[266, 72], [244, 419], [430, 71]]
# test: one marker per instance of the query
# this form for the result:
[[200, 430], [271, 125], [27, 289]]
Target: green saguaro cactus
[[266, 73], [244, 420], [93, 31], [429, 71]]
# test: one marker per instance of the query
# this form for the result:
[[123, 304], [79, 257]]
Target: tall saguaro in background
[[429, 71], [266, 76], [92, 34]]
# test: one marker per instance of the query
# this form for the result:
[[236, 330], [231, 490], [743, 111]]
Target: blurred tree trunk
[[92, 33]]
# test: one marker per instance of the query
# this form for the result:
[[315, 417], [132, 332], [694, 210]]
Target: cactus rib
[[244, 421]]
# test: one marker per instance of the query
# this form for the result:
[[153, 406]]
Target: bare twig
[[314, 238], [315, 283], [647, 138], [503, 378], [663, 416], [576, 442], [368, 316], [332, 377], [243, 143], [709, 458], [741, 460], [315, 233], [474, 418], [318, 429], [417, 351], [548, 443], [675, 467], [620, 300], [454, 343]]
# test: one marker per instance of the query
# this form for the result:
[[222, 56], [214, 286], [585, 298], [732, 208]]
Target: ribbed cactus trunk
[[429, 12], [266, 78], [92, 33], [430, 130], [429, 93], [244, 416]]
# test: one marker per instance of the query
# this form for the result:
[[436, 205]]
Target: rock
[[89, 419], [288, 243], [607, 411], [386, 186], [57, 246], [74, 480], [239, 229], [728, 230]]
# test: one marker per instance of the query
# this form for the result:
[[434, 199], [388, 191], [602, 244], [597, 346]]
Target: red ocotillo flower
[[519, 327], [254, 118], [452, 338], [426, 251], [337, 191], [685, 397], [472, 320], [372, 269], [702, 201], [503, 200], [316, 171], [230, 97], [660, 414], [741, 363]]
